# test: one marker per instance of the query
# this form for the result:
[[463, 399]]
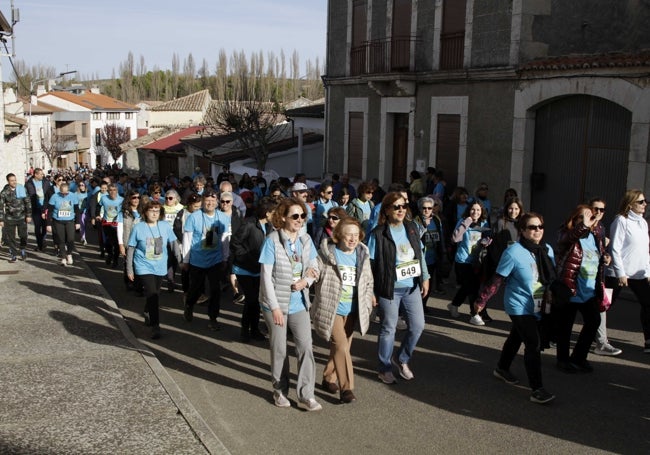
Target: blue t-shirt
[[294, 250], [405, 258], [523, 291], [40, 194], [63, 207], [321, 210], [467, 247], [586, 279], [112, 208], [430, 238], [206, 249], [347, 265], [150, 243]]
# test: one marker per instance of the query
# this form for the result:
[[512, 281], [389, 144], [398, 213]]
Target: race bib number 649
[[410, 269]]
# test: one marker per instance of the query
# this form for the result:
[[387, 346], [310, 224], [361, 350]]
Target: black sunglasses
[[295, 216], [333, 217], [598, 209], [535, 227], [400, 207]]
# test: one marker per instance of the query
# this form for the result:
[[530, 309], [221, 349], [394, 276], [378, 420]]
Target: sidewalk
[[75, 379]]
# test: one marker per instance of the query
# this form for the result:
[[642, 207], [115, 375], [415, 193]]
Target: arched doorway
[[581, 151]]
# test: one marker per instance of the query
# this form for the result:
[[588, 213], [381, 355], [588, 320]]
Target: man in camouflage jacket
[[15, 213]]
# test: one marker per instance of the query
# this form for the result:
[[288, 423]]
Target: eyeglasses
[[170, 198], [295, 216], [157, 192], [535, 227], [427, 208], [328, 192], [226, 202], [399, 207], [641, 202], [135, 197], [598, 209], [333, 217]]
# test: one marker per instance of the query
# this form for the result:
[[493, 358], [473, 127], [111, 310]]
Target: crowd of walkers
[[334, 258]]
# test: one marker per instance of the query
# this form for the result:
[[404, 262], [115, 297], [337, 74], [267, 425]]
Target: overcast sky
[[95, 36]]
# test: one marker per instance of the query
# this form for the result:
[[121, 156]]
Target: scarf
[[545, 266]]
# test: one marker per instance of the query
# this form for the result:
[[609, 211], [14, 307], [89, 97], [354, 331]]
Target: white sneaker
[[476, 320], [404, 370], [280, 400], [401, 324], [453, 310], [607, 349], [63, 262], [68, 259], [310, 404]]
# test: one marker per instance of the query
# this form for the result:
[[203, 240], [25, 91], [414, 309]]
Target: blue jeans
[[411, 300]]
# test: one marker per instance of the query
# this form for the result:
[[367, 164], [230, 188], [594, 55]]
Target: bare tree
[[114, 135], [56, 145]]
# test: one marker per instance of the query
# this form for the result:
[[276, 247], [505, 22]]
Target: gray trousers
[[300, 326]]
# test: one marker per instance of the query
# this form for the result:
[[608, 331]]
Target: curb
[[195, 421]]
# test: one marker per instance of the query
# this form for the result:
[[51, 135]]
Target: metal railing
[[388, 55], [452, 46]]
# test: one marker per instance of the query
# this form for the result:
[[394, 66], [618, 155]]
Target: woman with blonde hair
[[288, 268], [630, 256]]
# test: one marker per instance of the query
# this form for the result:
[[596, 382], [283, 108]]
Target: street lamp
[[30, 146]]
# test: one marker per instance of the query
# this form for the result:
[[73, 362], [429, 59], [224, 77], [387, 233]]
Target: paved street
[[454, 404]]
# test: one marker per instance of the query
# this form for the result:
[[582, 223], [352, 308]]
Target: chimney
[[40, 90], [94, 89]]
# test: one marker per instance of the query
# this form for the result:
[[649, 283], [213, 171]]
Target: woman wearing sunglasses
[[289, 267], [581, 263], [332, 218], [401, 278], [146, 258], [430, 226], [527, 268], [630, 257], [130, 217], [171, 208]]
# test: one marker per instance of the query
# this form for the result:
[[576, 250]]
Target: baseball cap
[[299, 187]]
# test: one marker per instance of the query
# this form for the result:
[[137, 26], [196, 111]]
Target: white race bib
[[64, 213], [348, 275], [410, 269]]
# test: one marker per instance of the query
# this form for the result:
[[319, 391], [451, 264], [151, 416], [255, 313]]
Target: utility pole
[[6, 30]]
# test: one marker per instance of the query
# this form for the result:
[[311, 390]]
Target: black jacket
[[383, 266], [246, 245], [37, 209]]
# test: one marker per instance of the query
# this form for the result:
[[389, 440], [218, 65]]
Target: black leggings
[[152, 284], [525, 330]]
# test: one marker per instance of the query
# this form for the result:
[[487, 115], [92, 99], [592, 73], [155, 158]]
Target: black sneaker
[[214, 325], [583, 367], [505, 376], [12, 259], [155, 332], [541, 396], [188, 313]]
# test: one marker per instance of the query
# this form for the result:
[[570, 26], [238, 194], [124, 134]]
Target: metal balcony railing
[[382, 56], [452, 46]]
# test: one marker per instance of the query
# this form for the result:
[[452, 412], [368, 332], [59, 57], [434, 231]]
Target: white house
[[84, 113]]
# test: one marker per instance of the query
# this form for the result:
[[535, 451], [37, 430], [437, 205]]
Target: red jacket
[[570, 254]]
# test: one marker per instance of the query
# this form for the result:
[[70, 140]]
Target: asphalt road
[[454, 404]]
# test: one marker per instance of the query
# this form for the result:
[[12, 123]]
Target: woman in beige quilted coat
[[344, 296]]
